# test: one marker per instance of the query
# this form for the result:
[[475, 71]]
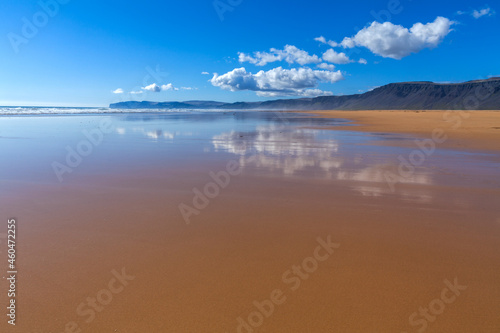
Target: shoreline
[[475, 130], [464, 129]]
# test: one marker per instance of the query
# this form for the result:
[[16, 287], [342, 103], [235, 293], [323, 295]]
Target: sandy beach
[[466, 129], [305, 234]]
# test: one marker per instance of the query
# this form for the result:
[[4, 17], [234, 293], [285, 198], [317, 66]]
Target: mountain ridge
[[426, 95]]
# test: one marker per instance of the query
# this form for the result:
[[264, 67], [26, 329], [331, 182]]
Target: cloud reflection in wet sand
[[292, 151], [151, 134]]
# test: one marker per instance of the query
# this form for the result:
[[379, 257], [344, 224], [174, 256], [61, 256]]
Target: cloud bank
[[277, 81], [395, 41], [156, 88], [290, 54]]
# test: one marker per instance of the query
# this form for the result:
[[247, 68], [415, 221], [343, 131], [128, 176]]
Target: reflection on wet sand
[[274, 148], [154, 135], [294, 151]]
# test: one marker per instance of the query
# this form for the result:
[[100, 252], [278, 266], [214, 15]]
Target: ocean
[[34, 110]]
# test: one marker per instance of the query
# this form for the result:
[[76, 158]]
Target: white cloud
[[320, 39], [156, 88], [277, 81], [205, 73], [323, 40], [259, 58], [395, 41], [362, 61], [152, 87], [483, 12], [169, 86], [136, 92], [326, 66], [290, 54], [118, 91], [337, 58]]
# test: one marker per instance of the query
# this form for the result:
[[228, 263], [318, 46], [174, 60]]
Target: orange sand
[[465, 129], [393, 257]]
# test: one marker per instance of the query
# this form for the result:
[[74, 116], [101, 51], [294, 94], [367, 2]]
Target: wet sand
[[393, 249], [465, 129]]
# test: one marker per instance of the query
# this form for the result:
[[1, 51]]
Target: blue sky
[[84, 53]]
